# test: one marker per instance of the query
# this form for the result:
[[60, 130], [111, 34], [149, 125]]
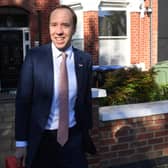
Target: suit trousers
[[52, 155]]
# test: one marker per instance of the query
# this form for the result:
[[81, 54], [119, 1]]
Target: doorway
[[14, 42], [11, 57]]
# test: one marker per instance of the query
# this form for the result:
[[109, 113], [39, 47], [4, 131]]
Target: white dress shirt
[[53, 119], [72, 88]]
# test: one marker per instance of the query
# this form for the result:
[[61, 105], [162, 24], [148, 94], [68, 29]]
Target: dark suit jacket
[[35, 92]]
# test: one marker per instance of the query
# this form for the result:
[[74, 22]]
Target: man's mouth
[[59, 39]]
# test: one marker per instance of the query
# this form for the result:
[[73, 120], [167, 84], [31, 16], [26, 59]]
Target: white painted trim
[[26, 42], [75, 6], [24, 30], [119, 5], [114, 3], [117, 112], [135, 5], [13, 28], [90, 5], [113, 37], [129, 36], [97, 93]]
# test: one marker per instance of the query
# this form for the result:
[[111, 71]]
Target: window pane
[[27, 36], [112, 23]]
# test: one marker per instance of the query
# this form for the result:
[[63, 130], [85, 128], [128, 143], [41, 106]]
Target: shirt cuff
[[21, 143]]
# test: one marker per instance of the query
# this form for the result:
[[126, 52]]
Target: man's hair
[[74, 17]]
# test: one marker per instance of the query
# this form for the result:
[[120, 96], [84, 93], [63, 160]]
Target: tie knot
[[64, 55]]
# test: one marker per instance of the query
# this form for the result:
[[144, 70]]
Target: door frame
[[24, 31]]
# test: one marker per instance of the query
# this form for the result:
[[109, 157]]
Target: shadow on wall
[[131, 146]]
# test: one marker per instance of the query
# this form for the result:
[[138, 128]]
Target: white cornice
[[76, 5], [114, 2], [94, 5], [90, 5]]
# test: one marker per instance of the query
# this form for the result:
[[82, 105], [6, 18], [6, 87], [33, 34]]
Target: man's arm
[[23, 107]]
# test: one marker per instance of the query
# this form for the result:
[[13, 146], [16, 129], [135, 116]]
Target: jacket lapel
[[78, 68], [49, 78]]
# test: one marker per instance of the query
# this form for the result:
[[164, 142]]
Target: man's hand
[[20, 155]]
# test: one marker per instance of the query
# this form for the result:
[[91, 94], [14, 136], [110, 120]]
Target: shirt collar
[[57, 53]]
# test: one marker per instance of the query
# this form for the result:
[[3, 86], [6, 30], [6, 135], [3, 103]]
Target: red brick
[[161, 133], [126, 152], [145, 136], [155, 141], [119, 147]]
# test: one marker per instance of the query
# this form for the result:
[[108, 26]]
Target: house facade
[[115, 32]]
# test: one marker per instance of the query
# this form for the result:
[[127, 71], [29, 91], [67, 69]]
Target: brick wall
[[131, 140], [144, 36], [154, 51], [118, 142], [45, 7], [91, 41], [38, 10], [27, 5]]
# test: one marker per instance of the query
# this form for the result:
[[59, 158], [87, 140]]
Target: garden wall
[[131, 133], [123, 134]]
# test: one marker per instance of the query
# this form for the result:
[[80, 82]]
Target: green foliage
[[131, 85]]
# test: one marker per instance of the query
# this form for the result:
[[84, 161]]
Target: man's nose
[[59, 30]]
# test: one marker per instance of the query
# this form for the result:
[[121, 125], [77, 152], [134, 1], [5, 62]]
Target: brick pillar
[[144, 36], [91, 34], [154, 32], [42, 12], [135, 24]]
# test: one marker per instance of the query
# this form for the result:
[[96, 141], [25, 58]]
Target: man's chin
[[61, 47]]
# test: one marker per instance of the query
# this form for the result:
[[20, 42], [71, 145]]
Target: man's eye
[[66, 25], [53, 24]]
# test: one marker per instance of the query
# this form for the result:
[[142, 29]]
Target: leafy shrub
[[131, 85]]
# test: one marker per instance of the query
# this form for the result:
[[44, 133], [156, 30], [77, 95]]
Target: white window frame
[[116, 6], [79, 34], [26, 42]]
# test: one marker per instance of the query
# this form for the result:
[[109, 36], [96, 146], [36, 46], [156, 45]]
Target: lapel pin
[[80, 65]]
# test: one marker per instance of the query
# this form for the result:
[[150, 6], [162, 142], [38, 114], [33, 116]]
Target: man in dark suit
[[37, 100]]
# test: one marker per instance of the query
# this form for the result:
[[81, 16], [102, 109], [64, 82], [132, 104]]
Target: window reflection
[[112, 23]]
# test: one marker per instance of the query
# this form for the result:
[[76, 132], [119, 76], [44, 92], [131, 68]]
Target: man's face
[[61, 28]]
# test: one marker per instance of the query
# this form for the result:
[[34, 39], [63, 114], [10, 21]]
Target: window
[[112, 23], [114, 32]]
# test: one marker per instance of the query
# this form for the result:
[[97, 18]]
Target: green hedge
[[131, 85]]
